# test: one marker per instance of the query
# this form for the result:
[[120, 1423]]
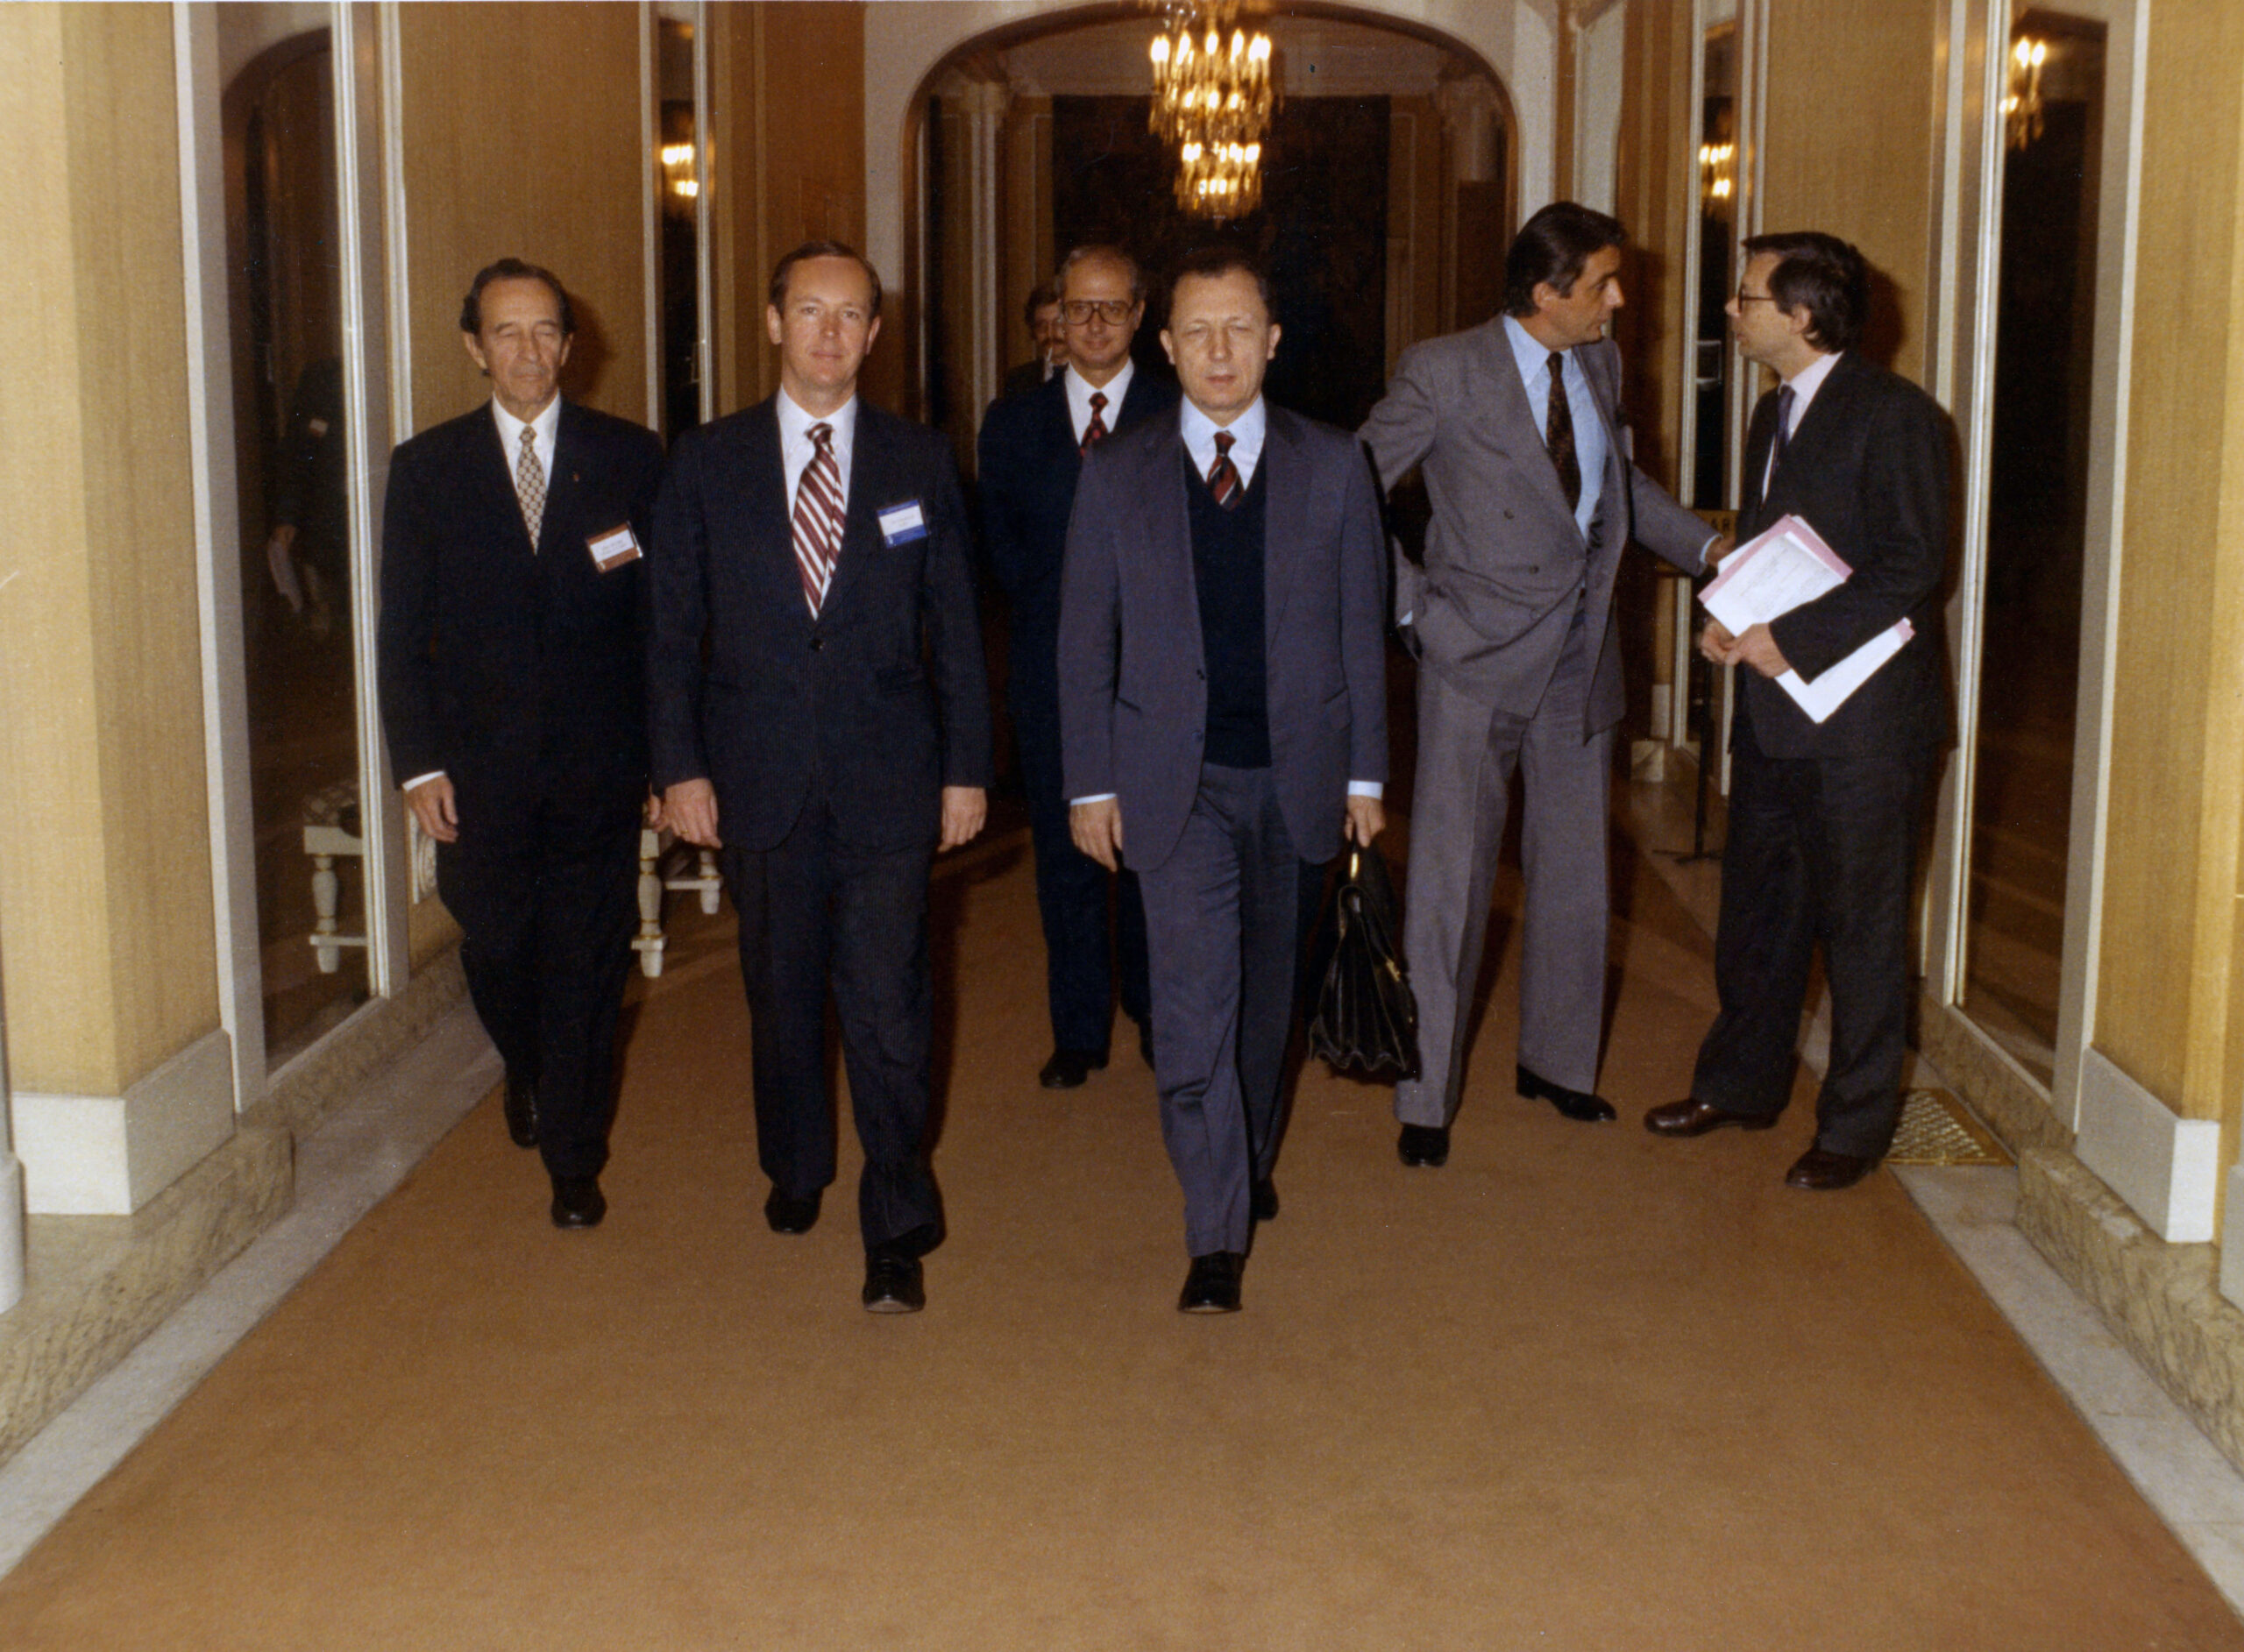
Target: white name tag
[[901, 524], [614, 547]]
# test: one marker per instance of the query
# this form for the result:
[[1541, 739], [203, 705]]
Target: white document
[[1774, 573]]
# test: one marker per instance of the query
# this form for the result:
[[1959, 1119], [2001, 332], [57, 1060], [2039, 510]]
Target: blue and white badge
[[901, 524]]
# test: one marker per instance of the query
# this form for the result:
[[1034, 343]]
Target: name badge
[[613, 549], [901, 524]]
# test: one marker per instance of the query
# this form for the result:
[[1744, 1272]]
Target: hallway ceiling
[[1315, 57]]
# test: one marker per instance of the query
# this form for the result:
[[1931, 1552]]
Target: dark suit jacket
[[1028, 465], [1868, 468], [1133, 690], [515, 672], [883, 700]]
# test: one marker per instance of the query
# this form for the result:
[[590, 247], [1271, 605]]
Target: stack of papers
[[1772, 575]]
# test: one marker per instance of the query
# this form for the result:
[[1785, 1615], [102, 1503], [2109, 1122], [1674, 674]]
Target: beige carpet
[[1582, 1389]]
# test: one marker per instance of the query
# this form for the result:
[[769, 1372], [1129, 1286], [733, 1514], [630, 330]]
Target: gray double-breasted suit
[[1520, 668]]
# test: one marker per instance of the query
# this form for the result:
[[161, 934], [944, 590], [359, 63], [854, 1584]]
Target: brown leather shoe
[[1821, 1172], [1693, 1118]]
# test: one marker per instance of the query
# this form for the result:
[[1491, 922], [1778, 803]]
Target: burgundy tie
[[818, 518], [1096, 428], [1223, 475]]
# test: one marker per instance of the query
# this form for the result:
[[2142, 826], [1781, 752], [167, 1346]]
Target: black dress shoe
[[1821, 1172], [1579, 1105], [791, 1215], [1069, 1068], [1212, 1286], [894, 1282], [1262, 1202], [521, 1111], [578, 1202], [1692, 1118], [1424, 1144]]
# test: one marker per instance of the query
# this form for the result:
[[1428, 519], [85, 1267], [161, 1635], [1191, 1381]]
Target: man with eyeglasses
[[1031, 452], [1824, 817], [1519, 425]]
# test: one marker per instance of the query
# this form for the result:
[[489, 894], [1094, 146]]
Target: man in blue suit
[[1031, 452], [836, 730], [1222, 703]]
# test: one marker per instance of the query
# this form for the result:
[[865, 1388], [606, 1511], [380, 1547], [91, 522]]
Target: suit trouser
[[548, 905], [814, 913], [1468, 753], [1819, 849], [1071, 888], [1223, 916]]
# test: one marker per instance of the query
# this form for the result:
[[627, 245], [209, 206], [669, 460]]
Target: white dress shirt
[[1080, 391], [796, 449]]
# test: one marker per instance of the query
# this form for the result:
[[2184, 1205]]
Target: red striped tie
[[1096, 428], [1223, 475], [818, 518]]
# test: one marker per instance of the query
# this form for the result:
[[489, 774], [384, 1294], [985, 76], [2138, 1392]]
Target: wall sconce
[[2021, 107], [679, 185], [1717, 175]]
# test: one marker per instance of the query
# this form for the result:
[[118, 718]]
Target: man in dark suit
[[1031, 452], [512, 696], [1525, 442], [838, 734], [1041, 312], [1824, 818], [1222, 704]]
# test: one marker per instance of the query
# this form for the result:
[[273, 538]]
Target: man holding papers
[[1828, 785]]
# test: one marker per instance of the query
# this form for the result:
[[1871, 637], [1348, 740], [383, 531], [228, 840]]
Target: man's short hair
[[1213, 263], [826, 250], [470, 310], [1099, 251], [1823, 275], [1550, 250], [1038, 297]]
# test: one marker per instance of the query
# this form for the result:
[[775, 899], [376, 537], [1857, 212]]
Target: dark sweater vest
[[1227, 573]]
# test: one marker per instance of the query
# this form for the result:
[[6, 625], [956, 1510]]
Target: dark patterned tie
[[1223, 475], [1097, 428], [818, 518], [529, 485], [1783, 436], [1559, 434]]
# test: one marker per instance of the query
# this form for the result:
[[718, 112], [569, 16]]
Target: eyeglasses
[[1744, 297], [1112, 311]]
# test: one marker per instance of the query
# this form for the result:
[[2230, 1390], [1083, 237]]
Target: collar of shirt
[[1534, 362], [796, 448], [1804, 383], [547, 424], [1246, 433], [1079, 395]]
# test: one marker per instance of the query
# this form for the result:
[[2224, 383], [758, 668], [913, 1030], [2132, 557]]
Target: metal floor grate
[[1936, 1130]]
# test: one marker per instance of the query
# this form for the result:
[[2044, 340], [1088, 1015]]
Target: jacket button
[[816, 642]]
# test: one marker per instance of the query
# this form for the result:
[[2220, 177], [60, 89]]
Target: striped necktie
[[1223, 475], [818, 518]]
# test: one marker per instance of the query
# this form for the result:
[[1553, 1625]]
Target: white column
[[1470, 121]]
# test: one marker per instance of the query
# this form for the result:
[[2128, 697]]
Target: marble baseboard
[[2163, 1301], [95, 1285], [2011, 1104], [313, 1085]]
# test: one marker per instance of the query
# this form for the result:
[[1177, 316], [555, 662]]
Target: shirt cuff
[[1366, 788], [1103, 796], [434, 774]]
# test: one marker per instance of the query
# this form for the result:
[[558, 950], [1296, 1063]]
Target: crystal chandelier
[[1212, 98]]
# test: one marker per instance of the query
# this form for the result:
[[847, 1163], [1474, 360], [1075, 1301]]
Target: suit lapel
[[873, 486], [1286, 506], [494, 478], [1517, 416]]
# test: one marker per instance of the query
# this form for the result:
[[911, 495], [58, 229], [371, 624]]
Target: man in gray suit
[[1223, 693], [1519, 425]]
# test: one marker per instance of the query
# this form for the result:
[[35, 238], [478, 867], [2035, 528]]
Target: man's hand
[[1715, 642], [432, 806], [1757, 648], [1096, 828], [1719, 550], [964, 810], [282, 563], [1366, 818], [655, 821], [690, 809]]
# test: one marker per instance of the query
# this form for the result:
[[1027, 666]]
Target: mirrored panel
[[284, 313]]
